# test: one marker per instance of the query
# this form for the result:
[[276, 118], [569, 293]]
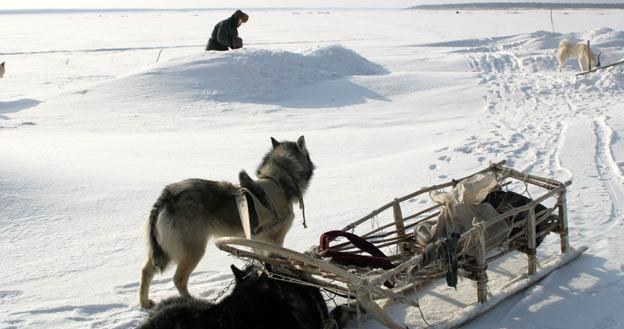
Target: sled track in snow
[[608, 170], [527, 113]]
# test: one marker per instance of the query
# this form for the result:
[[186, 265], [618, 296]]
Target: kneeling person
[[225, 33]]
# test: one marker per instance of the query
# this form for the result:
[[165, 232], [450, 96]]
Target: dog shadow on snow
[[16, 106]]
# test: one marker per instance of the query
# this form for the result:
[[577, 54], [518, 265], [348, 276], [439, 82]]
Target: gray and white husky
[[188, 213], [2, 70]]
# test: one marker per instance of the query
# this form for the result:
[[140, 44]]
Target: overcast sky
[[55, 4]]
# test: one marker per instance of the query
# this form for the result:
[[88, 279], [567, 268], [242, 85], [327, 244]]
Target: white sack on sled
[[459, 207]]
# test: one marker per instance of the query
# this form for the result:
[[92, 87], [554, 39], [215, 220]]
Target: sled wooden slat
[[413, 195], [482, 264], [563, 222], [499, 270], [532, 242]]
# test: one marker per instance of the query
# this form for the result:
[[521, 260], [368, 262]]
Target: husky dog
[[2, 70], [255, 302], [579, 51], [188, 213]]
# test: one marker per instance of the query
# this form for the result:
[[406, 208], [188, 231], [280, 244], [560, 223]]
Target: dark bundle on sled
[[256, 301], [504, 201]]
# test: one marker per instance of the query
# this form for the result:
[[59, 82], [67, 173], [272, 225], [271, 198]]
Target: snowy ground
[[92, 129]]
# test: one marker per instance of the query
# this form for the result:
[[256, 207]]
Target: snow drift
[[246, 75]]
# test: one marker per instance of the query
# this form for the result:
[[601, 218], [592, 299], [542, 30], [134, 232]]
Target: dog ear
[[2, 64], [301, 144], [274, 142], [238, 274]]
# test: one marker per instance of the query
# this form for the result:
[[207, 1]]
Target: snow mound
[[609, 81], [604, 37], [536, 52], [246, 75]]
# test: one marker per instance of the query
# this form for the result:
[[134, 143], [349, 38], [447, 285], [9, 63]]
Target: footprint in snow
[[445, 158], [6, 295], [77, 310]]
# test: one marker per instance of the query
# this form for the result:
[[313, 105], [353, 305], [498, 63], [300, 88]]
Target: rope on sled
[[422, 314]]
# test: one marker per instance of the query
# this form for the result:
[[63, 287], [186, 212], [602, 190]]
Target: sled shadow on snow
[[16, 106], [583, 282]]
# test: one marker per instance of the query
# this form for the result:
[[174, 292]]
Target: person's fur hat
[[240, 14]]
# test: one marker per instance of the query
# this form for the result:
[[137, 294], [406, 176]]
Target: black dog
[[256, 302]]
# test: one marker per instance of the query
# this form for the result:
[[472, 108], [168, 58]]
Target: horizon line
[[122, 9]]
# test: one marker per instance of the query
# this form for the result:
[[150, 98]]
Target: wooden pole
[[398, 222], [552, 23], [160, 52], [601, 68], [563, 222], [589, 56], [481, 259], [531, 241]]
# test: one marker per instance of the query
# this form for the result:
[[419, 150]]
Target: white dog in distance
[[579, 51]]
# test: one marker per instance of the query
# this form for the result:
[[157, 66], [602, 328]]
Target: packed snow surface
[[93, 126]]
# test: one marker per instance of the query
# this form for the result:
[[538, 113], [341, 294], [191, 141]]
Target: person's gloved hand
[[238, 43]]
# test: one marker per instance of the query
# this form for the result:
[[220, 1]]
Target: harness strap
[[297, 191], [243, 211], [377, 258]]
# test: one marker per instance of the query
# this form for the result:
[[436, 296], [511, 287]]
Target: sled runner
[[483, 231]]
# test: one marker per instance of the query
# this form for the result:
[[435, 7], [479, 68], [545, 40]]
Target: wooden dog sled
[[413, 274]]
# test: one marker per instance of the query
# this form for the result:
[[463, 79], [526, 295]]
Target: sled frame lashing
[[417, 266]]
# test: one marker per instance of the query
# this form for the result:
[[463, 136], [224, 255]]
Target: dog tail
[[158, 256], [563, 43]]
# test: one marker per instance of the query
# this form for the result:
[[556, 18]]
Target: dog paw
[[147, 304]]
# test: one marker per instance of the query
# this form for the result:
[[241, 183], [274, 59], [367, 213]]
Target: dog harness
[[255, 217]]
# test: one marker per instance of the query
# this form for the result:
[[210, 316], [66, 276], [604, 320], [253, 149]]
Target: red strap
[[377, 258]]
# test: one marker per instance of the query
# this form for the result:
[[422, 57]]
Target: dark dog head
[[249, 279], [288, 162]]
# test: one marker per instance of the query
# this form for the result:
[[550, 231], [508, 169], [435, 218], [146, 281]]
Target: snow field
[[389, 101]]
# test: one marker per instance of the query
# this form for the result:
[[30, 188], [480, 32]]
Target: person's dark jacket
[[225, 35]]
